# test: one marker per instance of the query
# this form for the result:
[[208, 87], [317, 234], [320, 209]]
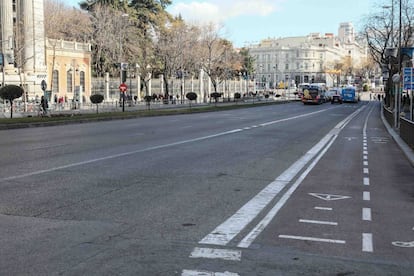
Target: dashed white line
[[318, 222], [365, 163], [311, 239], [366, 171], [366, 214], [206, 273], [214, 253], [367, 244], [366, 181], [366, 196], [323, 208]]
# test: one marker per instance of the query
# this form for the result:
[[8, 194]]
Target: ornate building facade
[[305, 59], [28, 57]]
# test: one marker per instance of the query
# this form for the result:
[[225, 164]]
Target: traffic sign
[[408, 78], [123, 87]]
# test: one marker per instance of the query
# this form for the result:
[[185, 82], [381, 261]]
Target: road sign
[[408, 78], [123, 87]]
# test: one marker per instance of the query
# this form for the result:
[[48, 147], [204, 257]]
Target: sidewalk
[[408, 152]]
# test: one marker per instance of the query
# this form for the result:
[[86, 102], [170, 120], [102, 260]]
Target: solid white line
[[367, 244], [230, 228], [366, 181], [323, 208], [366, 214], [247, 241], [214, 253], [318, 222], [120, 155], [367, 196], [311, 239], [206, 273]]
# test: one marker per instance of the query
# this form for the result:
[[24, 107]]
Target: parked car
[[336, 99]]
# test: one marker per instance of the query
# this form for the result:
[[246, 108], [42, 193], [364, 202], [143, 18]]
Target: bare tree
[[217, 56], [382, 31]]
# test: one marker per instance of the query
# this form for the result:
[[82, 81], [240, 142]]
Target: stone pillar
[[7, 37], [107, 87], [34, 36], [201, 86]]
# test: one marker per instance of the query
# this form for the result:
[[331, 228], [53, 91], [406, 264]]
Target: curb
[[408, 152]]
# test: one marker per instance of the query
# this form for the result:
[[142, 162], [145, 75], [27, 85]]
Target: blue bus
[[349, 94]]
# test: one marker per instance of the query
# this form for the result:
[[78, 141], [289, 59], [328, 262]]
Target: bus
[[349, 94], [313, 94]]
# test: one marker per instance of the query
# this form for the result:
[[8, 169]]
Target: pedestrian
[[44, 105]]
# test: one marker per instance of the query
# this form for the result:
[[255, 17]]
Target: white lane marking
[[366, 214], [329, 197], [153, 148], [366, 171], [247, 241], [230, 228], [365, 148], [366, 181], [365, 163], [403, 244], [311, 239], [48, 147], [367, 244], [365, 157], [206, 273], [318, 222], [366, 196], [365, 152], [214, 253], [323, 208]]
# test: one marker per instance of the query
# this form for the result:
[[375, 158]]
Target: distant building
[[305, 59], [68, 70], [26, 53]]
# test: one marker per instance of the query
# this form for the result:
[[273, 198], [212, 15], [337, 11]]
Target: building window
[[55, 81], [69, 81], [82, 79]]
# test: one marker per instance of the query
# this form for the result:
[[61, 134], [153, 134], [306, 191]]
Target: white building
[[306, 59], [23, 44]]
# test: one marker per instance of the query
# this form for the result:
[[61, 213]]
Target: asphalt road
[[275, 190]]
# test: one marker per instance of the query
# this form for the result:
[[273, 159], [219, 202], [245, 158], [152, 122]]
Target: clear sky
[[249, 21]]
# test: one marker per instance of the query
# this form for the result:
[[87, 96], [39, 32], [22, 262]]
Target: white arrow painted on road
[[328, 197]]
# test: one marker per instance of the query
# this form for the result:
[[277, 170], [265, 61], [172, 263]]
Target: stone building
[[305, 59], [28, 57], [68, 70]]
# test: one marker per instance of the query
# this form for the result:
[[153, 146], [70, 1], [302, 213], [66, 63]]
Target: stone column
[[7, 37], [201, 86], [34, 35]]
